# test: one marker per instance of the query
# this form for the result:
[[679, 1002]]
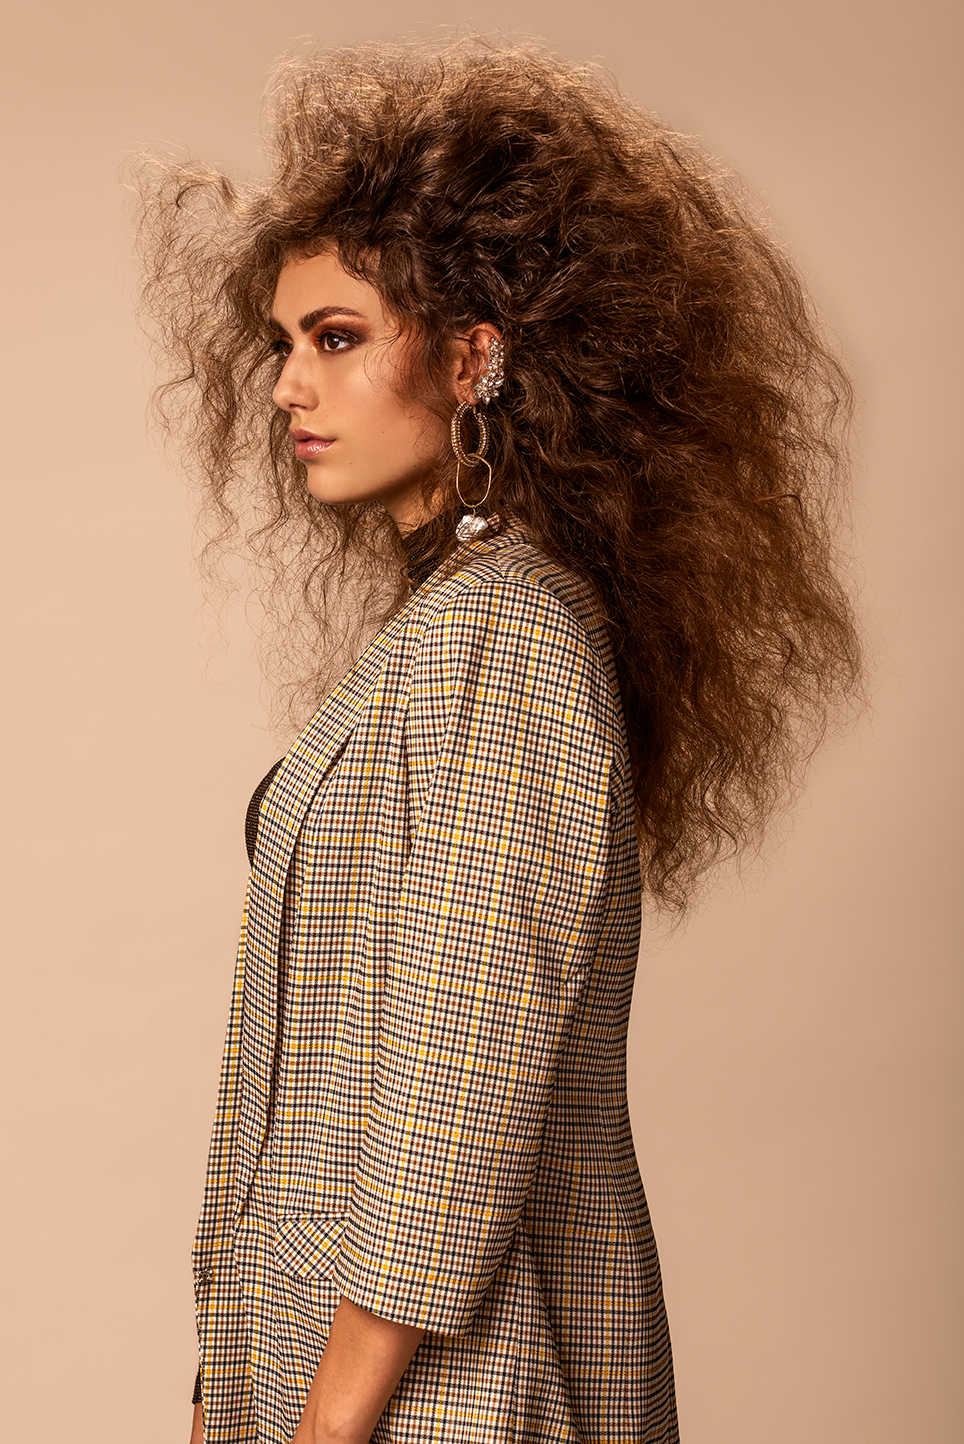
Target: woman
[[493, 339]]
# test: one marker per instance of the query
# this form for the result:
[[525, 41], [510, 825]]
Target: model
[[501, 361]]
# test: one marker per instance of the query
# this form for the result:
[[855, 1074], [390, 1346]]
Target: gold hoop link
[[470, 459]]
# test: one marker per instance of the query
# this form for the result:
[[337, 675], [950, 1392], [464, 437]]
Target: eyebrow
[[314, 318]]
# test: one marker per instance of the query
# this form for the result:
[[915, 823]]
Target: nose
[[295, 389]]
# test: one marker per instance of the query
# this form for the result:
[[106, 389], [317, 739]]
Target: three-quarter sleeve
[[509, 749]]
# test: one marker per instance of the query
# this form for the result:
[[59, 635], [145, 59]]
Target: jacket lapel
[[283, 811]]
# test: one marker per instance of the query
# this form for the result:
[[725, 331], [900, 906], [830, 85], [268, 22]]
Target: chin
[[330, 492]]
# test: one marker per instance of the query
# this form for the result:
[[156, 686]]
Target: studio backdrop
[[794, 1051]]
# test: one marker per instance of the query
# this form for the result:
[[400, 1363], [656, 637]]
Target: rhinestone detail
[[489, 384]]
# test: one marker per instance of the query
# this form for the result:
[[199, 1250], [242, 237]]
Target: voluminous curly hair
[[672, 426]]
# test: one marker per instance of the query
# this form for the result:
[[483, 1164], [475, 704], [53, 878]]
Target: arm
[[510, 759], [364, 1358]]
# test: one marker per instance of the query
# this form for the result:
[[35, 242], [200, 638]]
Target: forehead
[[315, 283]]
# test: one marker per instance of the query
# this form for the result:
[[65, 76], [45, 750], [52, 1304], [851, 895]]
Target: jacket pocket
[[307, 1246]]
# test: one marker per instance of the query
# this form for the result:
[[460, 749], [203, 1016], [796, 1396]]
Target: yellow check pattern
[[423, 1100]]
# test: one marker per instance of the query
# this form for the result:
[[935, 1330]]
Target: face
[[341, 383]]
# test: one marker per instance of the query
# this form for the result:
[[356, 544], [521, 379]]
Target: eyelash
[[281, 346]]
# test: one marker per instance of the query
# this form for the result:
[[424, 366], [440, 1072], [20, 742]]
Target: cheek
[[410, 428], [365, 402]]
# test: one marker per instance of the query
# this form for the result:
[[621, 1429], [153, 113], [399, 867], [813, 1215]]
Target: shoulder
[[512, 636], [507, 588]]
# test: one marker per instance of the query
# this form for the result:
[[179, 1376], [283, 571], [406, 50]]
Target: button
[[205, 1275]]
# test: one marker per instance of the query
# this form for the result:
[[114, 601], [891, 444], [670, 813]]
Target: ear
[[470, 356]]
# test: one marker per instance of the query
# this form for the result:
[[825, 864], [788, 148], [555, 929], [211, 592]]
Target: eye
[[330, 342], [335, 341]]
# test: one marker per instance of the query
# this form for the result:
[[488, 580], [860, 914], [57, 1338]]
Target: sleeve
[[509, 748]]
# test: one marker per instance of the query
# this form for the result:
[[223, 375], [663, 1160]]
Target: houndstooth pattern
[[423, 1100]]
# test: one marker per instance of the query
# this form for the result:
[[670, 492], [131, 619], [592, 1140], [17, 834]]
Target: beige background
[[794, 1054]]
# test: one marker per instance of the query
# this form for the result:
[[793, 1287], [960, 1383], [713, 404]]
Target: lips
[[308, 445]]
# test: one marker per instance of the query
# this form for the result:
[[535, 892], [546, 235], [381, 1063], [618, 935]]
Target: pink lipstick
[[308, 445]]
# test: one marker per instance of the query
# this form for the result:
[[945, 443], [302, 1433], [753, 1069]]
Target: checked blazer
[[423, 1098]]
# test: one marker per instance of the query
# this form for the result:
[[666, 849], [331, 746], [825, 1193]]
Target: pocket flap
[[308, 1246]]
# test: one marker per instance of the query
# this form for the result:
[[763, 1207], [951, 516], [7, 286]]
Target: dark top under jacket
[[417, 575]]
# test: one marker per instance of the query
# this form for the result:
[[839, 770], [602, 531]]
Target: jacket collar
[[422, 572]]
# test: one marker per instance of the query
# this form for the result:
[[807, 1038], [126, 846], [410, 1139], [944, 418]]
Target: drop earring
[[486, 389]]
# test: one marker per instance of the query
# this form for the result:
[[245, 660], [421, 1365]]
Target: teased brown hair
[[672, 425]]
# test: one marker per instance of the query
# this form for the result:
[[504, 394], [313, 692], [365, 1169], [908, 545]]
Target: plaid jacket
[[426, 1047]]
